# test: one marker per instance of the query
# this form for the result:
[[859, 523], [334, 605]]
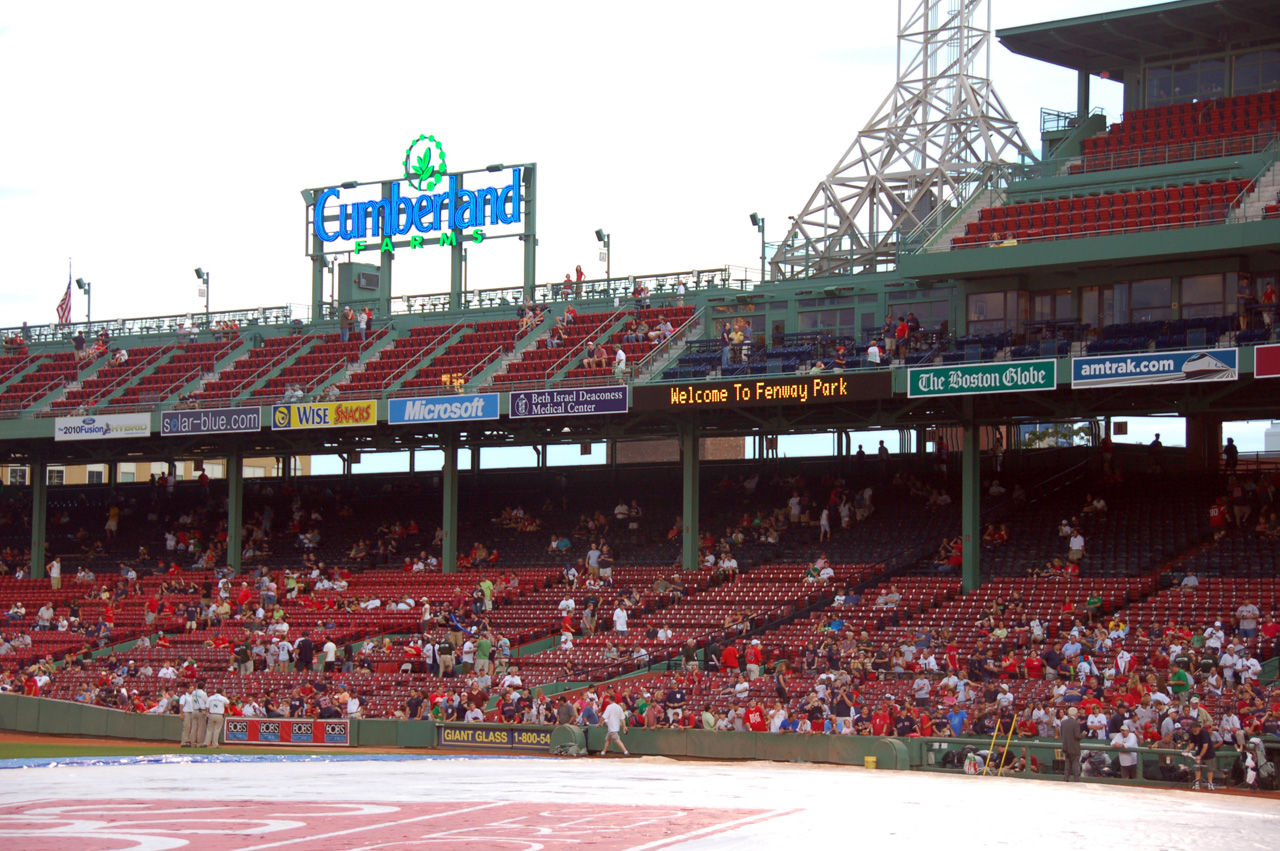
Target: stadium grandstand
[[1012, 577]]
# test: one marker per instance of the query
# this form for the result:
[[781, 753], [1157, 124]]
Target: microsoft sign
[[968, 379]]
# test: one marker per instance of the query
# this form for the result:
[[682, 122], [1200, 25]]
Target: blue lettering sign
[[436, 409], [400, 214]]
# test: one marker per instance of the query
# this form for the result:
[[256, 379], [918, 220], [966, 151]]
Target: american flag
[[64, 306]]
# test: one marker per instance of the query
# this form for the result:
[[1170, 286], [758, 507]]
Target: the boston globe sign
[[982, 378]]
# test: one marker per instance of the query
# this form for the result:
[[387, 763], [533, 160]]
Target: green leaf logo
[[419, 171]]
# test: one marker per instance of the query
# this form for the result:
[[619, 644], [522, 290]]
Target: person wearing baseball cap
[[1204, 753]]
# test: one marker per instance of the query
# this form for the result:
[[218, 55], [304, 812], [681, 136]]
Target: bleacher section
[[188, 364], [1102, 214], [326, 358], [52, 372], [1224, 127], [540, 362], [464, 359], [397, 361]]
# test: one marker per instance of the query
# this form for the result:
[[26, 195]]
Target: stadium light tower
[[204, 277], [940, 136], [608, 254], [86, 288], [758, 221]]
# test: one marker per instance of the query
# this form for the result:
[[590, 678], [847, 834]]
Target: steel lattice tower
[[939, 133]]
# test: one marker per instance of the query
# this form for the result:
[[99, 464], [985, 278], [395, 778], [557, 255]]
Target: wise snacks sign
[[306, 415], [498, 738], [287, 731]]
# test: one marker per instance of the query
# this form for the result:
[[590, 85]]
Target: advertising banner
[[441, 409], [569, 403], [982, 378], [287, 731], [212, 421], [304, 415], [1266, 363], [1189, 367], [107, 427], [500, 738]]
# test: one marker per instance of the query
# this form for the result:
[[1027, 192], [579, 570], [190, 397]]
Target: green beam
[[449, 487], [970, 495], [235, 507], [39, 513], [530, 238], [689, 460]]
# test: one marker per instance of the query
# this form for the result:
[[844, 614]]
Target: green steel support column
[[1082, 95], [455, 264], [235, 508], [384, 267], [970, 494], [689, 460], [449, 488], [39, 492], [530, 238]]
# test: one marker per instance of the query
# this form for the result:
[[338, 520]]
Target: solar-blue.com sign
[[438, 409]]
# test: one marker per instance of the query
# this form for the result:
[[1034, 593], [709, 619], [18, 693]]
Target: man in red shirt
[[754, 658], [882, 720], [1034, 666], [729, 658], [754, 719]]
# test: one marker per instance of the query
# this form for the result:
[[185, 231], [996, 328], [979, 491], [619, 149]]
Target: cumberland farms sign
[[981, 378]]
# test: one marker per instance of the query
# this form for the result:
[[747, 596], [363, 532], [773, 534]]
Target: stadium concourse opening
[[982, 577]]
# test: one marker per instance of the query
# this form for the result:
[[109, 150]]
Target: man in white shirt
[[620, 619], [1075, 547], [1227, 661], [567, 605], [200, 714], [1214, 636], [1097, 724], [615, 719], [217, 716], [186, 703], [55, 574], [1248, 667], [330, 651]]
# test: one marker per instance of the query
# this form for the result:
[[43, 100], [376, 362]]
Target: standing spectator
[[1155, 449], [217, 716], [615, 720], [1128, 740], [1203, 752], [345, 322], [55, 573], [1230, 455], [1247, 619], [1072, 736], [725, 341]]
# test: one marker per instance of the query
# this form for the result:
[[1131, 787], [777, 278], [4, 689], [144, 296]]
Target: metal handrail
[[651, 358], [166, 324], [415, 359], [1160, 154], [287, 352], [575, 350]]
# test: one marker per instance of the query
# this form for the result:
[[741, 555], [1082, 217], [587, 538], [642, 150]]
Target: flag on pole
[[64, 306]]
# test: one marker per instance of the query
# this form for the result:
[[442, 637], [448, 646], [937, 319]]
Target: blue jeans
[[344, 334], [724, 357]]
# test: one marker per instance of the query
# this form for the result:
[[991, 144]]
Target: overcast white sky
[[144, 139]]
